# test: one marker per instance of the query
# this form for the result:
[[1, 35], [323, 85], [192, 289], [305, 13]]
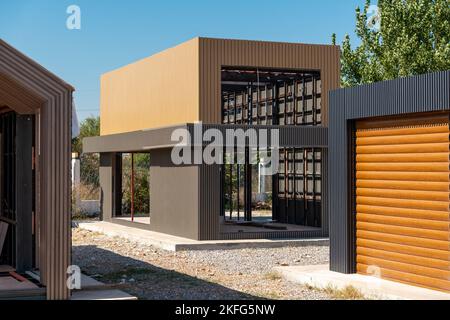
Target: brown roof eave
[[35, 65]]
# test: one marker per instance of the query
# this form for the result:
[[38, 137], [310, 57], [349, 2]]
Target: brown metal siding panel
[[215, 53], [54, 164], [209, 200]]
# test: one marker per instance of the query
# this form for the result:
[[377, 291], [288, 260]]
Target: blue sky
[[116, 32]]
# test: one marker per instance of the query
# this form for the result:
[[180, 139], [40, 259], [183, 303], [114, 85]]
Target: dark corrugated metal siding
[[209, 202], [425, 93], [55, 161], [310, 234], [290, 136]]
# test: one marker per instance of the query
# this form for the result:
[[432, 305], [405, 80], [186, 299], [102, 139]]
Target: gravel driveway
[[151, 273]]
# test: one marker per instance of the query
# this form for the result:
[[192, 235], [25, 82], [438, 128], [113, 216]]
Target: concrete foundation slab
[[92, 289], [321, 277], [173, 243], [101, 295], [90, 283]]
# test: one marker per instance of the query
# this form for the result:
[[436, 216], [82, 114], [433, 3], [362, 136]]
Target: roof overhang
[[24, 84], [160, 138]]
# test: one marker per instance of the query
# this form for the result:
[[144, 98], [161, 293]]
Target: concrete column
[[76, 181], [106, 173]]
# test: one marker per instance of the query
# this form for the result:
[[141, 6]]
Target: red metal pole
[[132, 187]]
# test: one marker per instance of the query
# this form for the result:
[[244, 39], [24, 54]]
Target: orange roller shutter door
[[402, 201]]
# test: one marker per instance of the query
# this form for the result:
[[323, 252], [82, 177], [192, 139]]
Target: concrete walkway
[[92, 289], [321, 277], [172, 243]]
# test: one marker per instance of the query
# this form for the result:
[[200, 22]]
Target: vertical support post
[[248, 186], [305, 185], [294, 180], [314, 197], [107, 185], [250, 104], [117, 185], [286, 172], [238, 190], [231, 190], [132, 187], [275, 115], [222, 185], [294, 101]]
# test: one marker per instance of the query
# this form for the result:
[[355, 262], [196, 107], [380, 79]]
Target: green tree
[[90, 127], [89, 163], [141, 183], [413, 38]]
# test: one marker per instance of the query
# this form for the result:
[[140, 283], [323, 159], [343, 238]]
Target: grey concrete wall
[[174, 196], [106, 173]]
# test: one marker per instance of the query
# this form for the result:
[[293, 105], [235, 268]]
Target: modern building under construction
[[388, 159], [224, 84]]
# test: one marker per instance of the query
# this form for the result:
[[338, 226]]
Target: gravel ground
[[151, 273]]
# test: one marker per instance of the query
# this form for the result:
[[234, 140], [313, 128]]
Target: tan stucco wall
[[158, 91], [183, 84]]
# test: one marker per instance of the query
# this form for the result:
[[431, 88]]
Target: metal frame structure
[[277, 97], [407, 96]]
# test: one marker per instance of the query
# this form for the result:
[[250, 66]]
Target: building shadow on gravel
[[147, 281]]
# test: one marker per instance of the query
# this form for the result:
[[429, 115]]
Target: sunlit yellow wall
[[158, 91]]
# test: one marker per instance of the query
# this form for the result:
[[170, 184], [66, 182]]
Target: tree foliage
[[413, 38], [141, 183], [89, 163], [90, 127]]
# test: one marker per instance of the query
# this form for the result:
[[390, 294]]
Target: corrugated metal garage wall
[[425, 93]]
